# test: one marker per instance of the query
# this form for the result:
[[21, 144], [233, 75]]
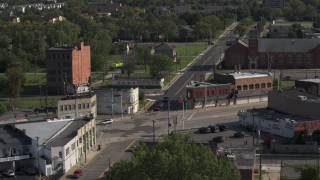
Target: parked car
[[204, 130], [31, 171], [107, 121], [223, 128], [219, 139], [239, 134], [8, 173], [213, 128], [165, 99], [77, 173], [159, 106]]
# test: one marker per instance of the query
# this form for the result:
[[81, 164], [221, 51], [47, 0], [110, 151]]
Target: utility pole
[[39, 169], [112, 103], [40, 96], [168, 115], [121, 105], [154, 135]]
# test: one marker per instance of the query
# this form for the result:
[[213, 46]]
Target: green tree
[[15, 81], [177, 157], [309, 173], [160, 63]]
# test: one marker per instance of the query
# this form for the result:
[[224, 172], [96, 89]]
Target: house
[[67, 64], [58, 145], [115, 101], [285, 53], [77, 106], [52, 18], [12, 19], [166, 49], [15, 148], [185, 32], [105, 8]]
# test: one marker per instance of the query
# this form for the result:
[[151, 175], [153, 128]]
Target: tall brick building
[[67, 65], [285, 53]]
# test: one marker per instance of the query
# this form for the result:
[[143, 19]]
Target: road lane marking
[[185, 84], [191, 116]]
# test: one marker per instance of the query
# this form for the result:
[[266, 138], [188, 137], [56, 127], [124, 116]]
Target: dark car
[[223, 128], [204, 130], [213, 129], [159, 106], [8, 173], [239, 134], [219, 139], [165, 99], [77, 173]]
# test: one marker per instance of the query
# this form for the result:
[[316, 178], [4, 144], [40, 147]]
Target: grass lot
[[142, 104], [287, 84], [188, 52], [24, 103]]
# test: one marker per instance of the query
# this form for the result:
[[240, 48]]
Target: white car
[[8, 173], [105, 122]]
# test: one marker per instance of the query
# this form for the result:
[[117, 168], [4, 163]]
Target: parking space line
[[191, 116]]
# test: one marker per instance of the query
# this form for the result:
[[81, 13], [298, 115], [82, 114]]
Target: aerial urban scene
[[160, 89]]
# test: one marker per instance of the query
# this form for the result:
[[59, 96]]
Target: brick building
[[247, 83], [283, 53], [67, 65]]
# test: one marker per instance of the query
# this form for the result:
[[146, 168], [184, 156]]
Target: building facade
[[115, 101], [285, 53], [310, 85], [67, 65], [77, 106]]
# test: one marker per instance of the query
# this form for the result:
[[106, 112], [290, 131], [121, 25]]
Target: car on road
[[8, 173], [219, 139], [223, 128], [107, 121], [77, 173], [239, 134], [31, 171], [159, 106], [213, 128], [204, 130]]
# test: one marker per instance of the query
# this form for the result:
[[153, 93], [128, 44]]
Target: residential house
[[185, 32], [115, 101], [12, 19], [52, 18], [166, 49], [15, 148], [105, 8]]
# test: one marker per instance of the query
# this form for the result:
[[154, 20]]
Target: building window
[[83, 106], [245, 87], [269, 85], [74, 106], [79, 106], [61, 108], [239, 88], [251, 86], [80, 140], [67, 151], [87, 106], [73, 146], [69, 107], [60, 154], [212, 93], [257, 86], [263, 85]]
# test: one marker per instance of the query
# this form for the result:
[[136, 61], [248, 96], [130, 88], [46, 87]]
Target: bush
[[142, 96]]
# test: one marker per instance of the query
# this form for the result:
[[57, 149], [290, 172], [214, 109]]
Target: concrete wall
[[281, 102]]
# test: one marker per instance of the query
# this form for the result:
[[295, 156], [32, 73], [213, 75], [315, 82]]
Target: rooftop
[[78, 96], [310, 80], [243, 75], [12, 137], [287, 45], [198, 84], [300, 94], [44, 130], [67, 134]]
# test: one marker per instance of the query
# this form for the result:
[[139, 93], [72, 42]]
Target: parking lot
[[230, 140]]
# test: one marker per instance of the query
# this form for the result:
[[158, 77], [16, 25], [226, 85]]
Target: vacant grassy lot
[[306, 24]]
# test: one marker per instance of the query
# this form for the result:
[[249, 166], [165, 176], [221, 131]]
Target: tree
[[309, 173], [177, 157], [15, 82], [160, 62]]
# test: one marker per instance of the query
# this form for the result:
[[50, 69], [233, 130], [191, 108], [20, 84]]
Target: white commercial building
[[115, 101], [60, 144]]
